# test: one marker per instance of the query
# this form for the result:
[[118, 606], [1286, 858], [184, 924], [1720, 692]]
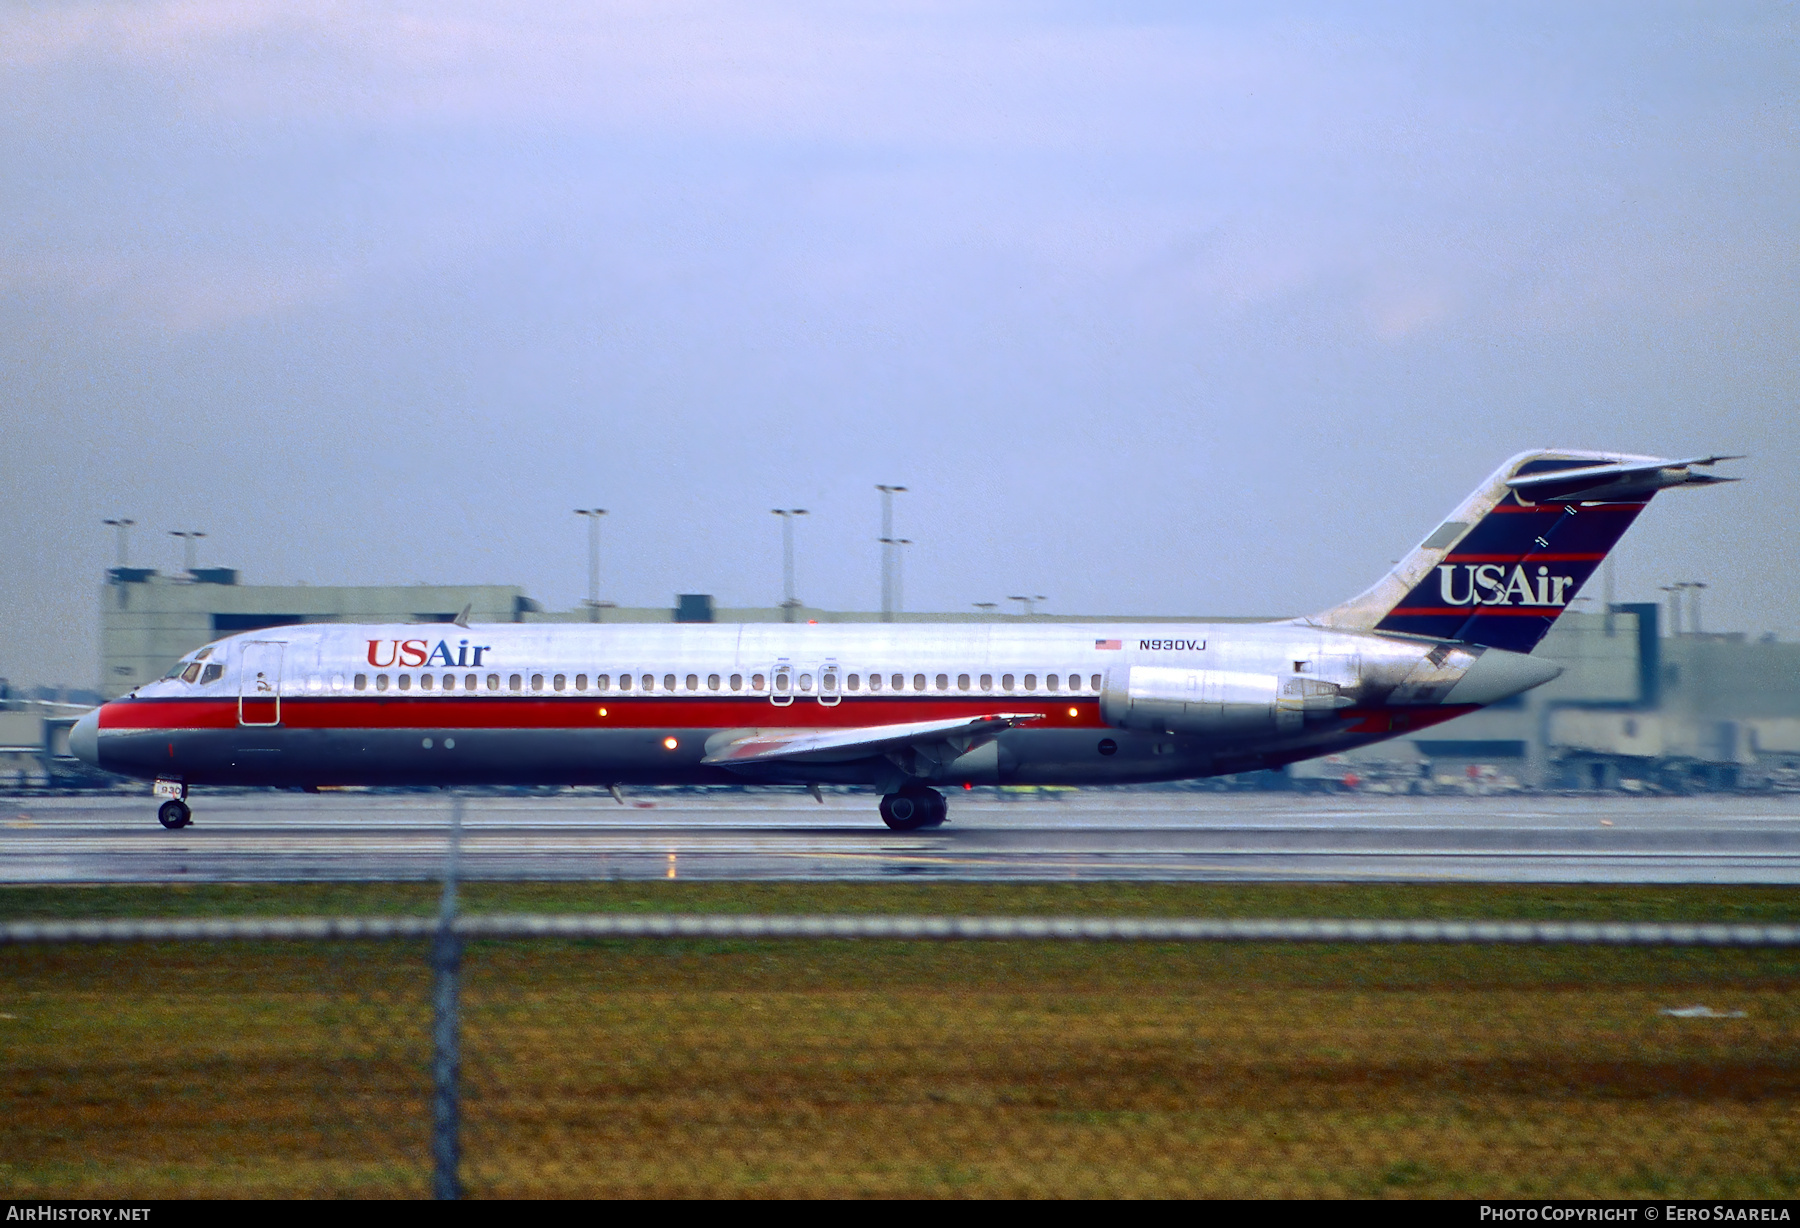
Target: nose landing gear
[[911, 809], [173, 814]]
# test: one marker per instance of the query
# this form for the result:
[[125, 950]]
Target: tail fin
[[1512, 556]]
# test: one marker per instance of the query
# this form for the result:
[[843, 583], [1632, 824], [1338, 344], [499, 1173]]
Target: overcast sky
[[1156, 308]]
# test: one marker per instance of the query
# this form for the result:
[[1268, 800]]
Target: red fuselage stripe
[[445, 712]]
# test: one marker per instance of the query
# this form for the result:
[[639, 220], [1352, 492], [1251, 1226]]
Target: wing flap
[[743, 746]]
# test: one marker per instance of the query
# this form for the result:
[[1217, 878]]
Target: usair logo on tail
[[1489, 584]]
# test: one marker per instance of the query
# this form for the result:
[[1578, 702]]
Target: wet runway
[[781, 835]]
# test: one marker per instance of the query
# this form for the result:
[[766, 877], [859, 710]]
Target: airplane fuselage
[[648, 704]]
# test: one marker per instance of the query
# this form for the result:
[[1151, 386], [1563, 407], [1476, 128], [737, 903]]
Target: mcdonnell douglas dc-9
[[901, 709]]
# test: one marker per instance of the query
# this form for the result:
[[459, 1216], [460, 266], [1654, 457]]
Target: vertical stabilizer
[[1509, 560]]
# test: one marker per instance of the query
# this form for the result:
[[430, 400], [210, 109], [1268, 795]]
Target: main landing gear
[[913, 808], [173, 814]]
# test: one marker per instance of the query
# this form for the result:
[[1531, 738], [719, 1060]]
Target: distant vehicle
[[897, 708]]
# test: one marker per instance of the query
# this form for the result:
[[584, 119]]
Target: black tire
[[906, 811], [939, 809], [174, 814], [911, 809]]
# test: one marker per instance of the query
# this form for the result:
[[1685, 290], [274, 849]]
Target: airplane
[[902, 709]]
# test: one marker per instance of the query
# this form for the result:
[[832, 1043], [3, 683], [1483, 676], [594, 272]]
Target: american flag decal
[[1108, 644]]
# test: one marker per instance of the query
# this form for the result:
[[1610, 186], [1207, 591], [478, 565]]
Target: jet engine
[[1222, 703]]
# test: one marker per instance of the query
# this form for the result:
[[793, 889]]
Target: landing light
[[602, 711], [670, 743], [1072, 712]]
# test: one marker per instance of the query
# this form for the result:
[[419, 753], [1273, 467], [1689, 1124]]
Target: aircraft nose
[[84, 739], [1498, 674]]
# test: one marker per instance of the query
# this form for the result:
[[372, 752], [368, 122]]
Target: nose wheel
[[911, 809], [174, 814]]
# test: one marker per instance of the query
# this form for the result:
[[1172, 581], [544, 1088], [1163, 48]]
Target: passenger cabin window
[[515, 683], [560, 682], [756, 682], [648, 682], [987, 682], [1050, 681], [918, 682], [693, 682], [1006, 682], [828, 682], [899, 681], [381, 682], [406, 682], [806, 682], [668, 682], [537, 682], [493, 682], [874, 682], [737, 682], [624, 682], [943, 682], [581, 682], [852, 683], [712, 682], [360, 682], [602, 681], [1096, 681], [962, 682], [1031, 682], [424, 682]]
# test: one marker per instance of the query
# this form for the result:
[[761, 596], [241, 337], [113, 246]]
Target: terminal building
[[1636, 707]]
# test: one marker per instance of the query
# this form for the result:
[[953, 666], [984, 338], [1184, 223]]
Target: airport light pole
[[898, 545], [593, 515], [1674, 591], [888, 551], [188, 538], [1029, 603], [124, 527], [790, 604], [1694, 587]]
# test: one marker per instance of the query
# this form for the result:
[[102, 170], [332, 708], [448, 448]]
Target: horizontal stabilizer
[[1615, 482], [744, 746]]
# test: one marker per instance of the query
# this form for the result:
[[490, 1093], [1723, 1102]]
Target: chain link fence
[[696, 1055], [650, 1053]]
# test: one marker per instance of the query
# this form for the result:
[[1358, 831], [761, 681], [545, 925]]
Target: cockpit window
[[191, 672], [204, 653], [175, 670], [211, 673]]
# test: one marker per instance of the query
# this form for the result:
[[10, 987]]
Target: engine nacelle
[[1222, 703]]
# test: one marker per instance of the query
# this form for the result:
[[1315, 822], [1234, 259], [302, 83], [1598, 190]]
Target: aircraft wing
[[768, 745]]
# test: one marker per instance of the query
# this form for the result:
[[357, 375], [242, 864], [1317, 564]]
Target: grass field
[[865, 1068]]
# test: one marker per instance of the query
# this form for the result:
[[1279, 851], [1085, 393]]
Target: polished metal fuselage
[[546, 704]]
